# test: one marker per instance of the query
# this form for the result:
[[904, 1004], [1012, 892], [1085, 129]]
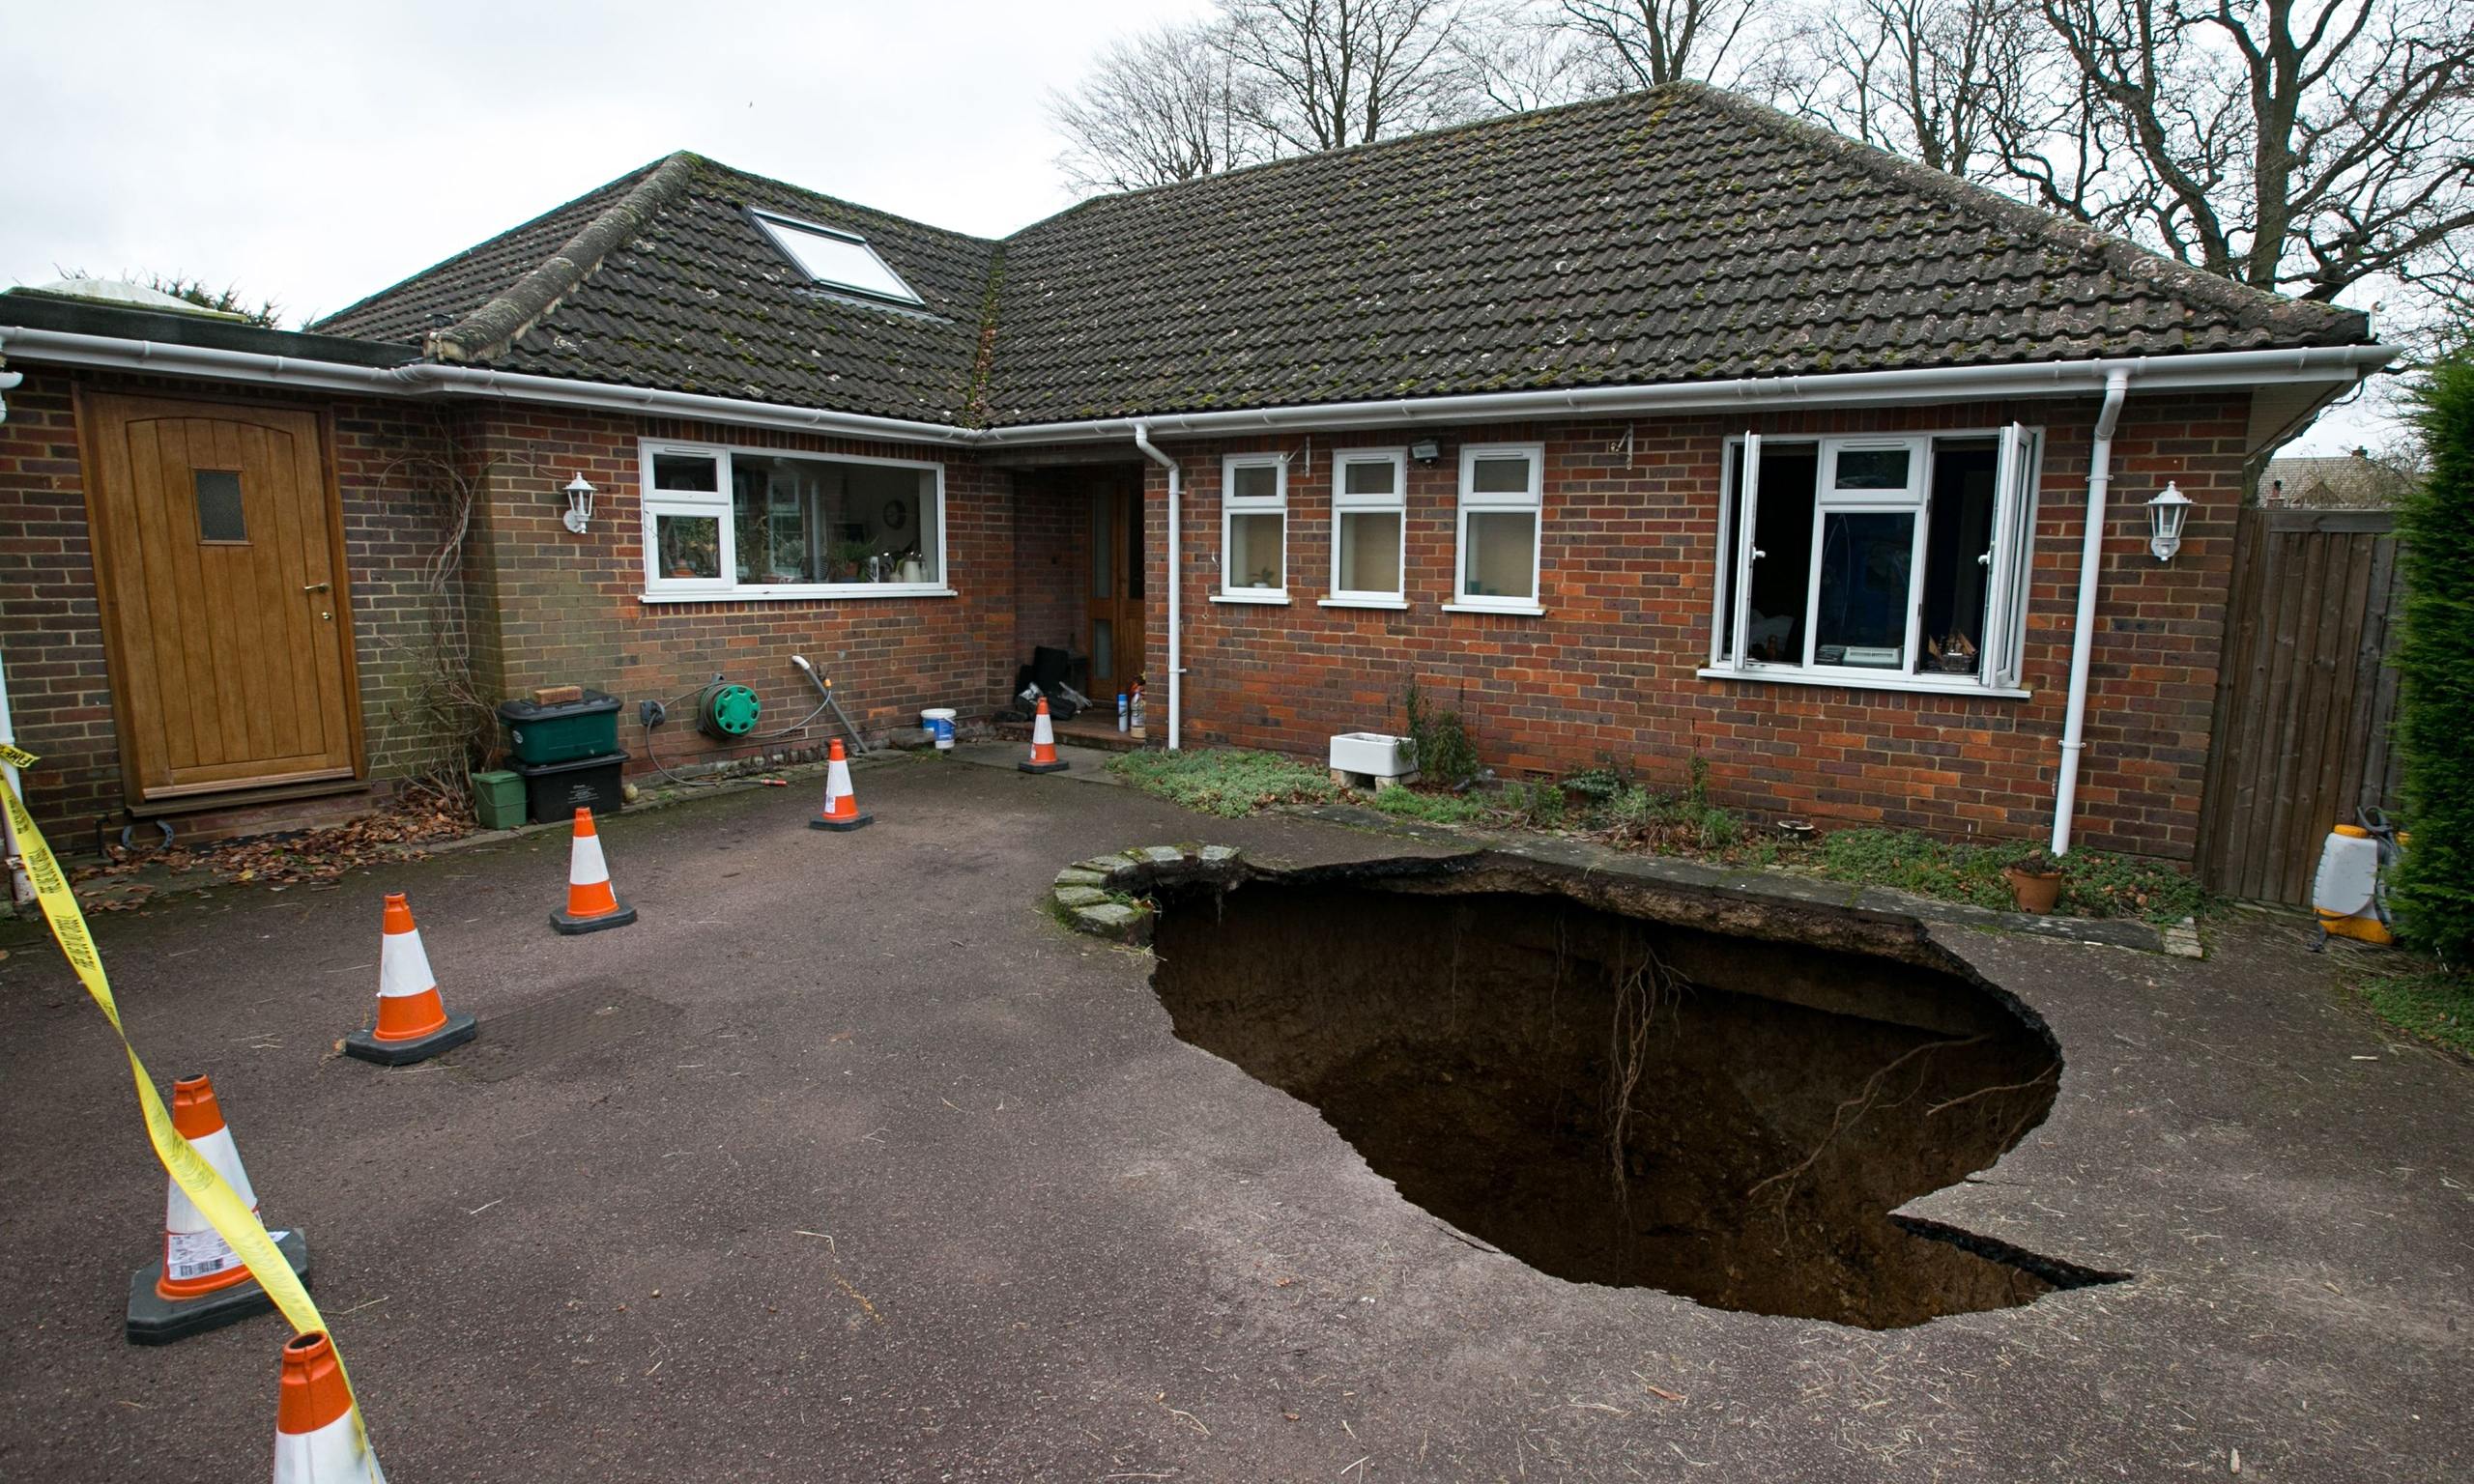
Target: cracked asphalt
[[847, 1162]]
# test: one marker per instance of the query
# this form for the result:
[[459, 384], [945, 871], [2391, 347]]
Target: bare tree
[[2290, 146], [1518, 57], [1946, 82], [1169, 104], [1334, 73], [1647, 43]]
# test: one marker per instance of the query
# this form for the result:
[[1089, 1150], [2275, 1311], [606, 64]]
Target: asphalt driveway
[[847, 1162]]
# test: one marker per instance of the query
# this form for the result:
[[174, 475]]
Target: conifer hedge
[[2433, 894]]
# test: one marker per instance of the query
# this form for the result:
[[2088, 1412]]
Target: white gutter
[[1176, 586], [1856, 388], [2083, 634]]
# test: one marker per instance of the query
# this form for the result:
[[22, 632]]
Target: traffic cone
[[318, 1433], [414, 1024], [840, 805], [1043, 759], [199, 1283], [591, 906]]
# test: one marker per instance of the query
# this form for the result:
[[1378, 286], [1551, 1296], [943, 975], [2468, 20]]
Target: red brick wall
[[570, 609], [1626, 579], [51, 634]]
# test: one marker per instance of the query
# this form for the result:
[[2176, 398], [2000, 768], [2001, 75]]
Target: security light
[[2166, 514]]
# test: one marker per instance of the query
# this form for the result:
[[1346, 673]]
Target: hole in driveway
[[1630, 1101]]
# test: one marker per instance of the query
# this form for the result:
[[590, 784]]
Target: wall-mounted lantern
[[2166, 514], [579, 506], [8, 381]]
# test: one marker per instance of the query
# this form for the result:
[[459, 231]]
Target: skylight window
[[837, 260]]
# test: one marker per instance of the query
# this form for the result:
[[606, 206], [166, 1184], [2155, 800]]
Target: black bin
[[553, 792]]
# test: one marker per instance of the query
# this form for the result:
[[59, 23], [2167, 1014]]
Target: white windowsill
[[1392, 603], [1918, 685], [835, 594], [1265, 598], [1516, 610]]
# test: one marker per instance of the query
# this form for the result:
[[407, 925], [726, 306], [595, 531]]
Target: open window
[[724, 522], [1254, 528], [1896, 563], [1502, 500], [834, 259], [1370, 520]]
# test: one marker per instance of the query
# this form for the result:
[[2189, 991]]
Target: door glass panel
[[1370, 551], [1104, 548], [1871, 468], [1104, 649], [1502, 558], [1782, 531], [1862, 619], [1958, 548], [219, 506], [1134, 545], [1253, 553]]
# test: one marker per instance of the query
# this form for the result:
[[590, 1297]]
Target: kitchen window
[[1502, 500], [1883, 563], [723, 522], [1254, 528], [1370, 521]]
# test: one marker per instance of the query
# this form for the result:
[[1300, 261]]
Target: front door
[[224, 595], [1115, 598]]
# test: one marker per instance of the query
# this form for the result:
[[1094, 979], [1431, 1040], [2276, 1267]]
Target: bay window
[[1882, 561], [725, 522], [1502, 498], [1254, 528], [1370, 521]]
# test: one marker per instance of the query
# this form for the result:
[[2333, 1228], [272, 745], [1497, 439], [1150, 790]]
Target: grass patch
[[1431, 808], [2094, 884], [1225, 780], [2429, 1002]]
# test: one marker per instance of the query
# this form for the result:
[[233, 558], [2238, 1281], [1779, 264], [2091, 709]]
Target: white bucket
[[939, 722]]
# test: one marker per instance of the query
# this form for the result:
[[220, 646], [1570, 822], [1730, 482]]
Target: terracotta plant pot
[[2034, 891]]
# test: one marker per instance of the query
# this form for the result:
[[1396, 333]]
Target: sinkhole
[[1642, 1086]]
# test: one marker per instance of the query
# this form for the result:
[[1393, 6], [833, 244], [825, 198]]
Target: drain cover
[[563, 1026]]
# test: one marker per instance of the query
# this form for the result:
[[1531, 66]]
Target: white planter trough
[[1372, 760]]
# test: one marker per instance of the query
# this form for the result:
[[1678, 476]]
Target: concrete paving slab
[[872, 1170]]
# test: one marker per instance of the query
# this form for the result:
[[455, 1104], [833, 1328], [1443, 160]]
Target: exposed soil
[[1632, 1102]]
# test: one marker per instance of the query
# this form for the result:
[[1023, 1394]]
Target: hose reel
[[726, 712]]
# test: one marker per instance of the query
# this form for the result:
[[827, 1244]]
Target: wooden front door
[[218, 558], [1115, 628]]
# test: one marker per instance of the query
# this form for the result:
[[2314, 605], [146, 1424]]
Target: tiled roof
[[1674, 235]]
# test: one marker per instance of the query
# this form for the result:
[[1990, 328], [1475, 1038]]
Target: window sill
[[1917, 685], [1513, 609], [1389, 603], [1265, 599], [804, 594]]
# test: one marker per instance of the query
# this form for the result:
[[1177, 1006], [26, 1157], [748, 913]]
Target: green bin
[[561, 732], [498, 797]]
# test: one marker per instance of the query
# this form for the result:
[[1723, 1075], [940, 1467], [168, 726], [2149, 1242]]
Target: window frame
[[773, 223], [1472, 501], [716, 503], [1345, 503], [1232, 505], [2018, 476]]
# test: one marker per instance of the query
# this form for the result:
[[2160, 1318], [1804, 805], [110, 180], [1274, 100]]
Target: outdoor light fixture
[[1425, 450], [2165, 516], [579, 506], [8, 381]]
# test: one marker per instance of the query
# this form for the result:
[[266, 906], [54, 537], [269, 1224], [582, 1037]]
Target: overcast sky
[[313, 154]]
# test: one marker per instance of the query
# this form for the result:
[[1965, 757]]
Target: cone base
[[842, 825], [571, 925], [1058, 767], [155, 1320], [460, 1027]]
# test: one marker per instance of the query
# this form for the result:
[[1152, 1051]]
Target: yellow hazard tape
[[225, 1210]]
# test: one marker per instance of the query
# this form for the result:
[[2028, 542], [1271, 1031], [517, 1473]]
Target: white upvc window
[[1369, 528], [1880, 562], [1254, 528], [726, 522], [1501, 507]]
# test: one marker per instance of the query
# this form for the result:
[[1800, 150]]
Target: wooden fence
[[2305, 700]]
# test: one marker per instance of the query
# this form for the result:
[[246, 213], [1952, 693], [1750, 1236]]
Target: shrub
[[1447, 758], [2434, 889]]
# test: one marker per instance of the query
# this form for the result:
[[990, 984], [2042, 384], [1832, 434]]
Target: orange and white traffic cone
[[840, 805], [318, 1434], [414, 1023], [199, 1282], [1043, 758], [591, 906]]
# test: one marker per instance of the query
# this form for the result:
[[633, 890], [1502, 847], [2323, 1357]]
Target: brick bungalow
[[1646, 428]]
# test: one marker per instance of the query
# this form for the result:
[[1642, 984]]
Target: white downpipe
[[2082, 636], [19, 888], [1176, 586]]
